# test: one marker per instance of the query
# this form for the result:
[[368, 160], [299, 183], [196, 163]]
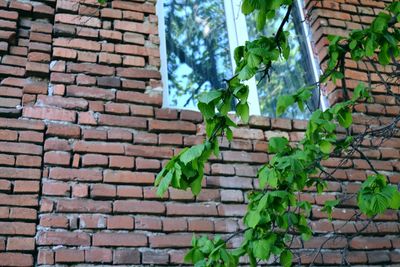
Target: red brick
[[139, 98], [45, 257], [55, 189], [78, 20], [191, 209], [129, 191], [128, 177], [123, 121], [77, 43], [119, 239], [20, 173], [26, 186], [56, 221], [90, 92], [136, 72], [49, 114], [171, 240], [103, 191], [145, 8], [90, 68], [69, 255], [135, 206], [17, 228], [20, 243], [366, 243], [147, 164], [126, 256], [75, 174], [80, 190], [57, 158], [120, 222], [98, 255], [95, 147], [90, 160], [92, 222], [16, 259], [81, 205]]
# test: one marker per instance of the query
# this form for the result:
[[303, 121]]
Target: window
[[197, 43]]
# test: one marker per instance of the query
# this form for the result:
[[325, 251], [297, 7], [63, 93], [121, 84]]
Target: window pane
[[285, 76], [197, 49]]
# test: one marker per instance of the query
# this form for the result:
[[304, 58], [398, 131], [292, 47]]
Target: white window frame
[[235, 21]]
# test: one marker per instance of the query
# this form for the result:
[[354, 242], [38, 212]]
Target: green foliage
[[210, 253], [376, 196], [274, 216]]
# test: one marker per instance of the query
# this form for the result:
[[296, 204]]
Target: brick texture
[[83, 135]]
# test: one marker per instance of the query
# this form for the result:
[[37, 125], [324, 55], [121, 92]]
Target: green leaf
[[243, 110], [252, 218], [208, 110], [261, 249], [246, 73], [277, 144], [208, 97], [326, 147], [253, 60], [284, 102], [163, 186], [192, 153], [286, 258], [269, 176], [344, 117], [261, 18], [247, 7]]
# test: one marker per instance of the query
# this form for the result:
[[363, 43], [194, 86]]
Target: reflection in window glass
[[197, 49], [286, 76]]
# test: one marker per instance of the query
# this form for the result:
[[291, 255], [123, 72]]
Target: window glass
[[285, 76], [197, 48]]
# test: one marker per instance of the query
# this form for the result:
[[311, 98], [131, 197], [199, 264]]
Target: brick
[[89, 68], [98, 255], [170, 241], [126, 256], [92, 222], [125, 191], [80, 205], [28, 161], [133, 38], [63, 238], [155, 257], [26, 186], [111, 13], [122, 162], [20, 173], [78, 20], [77, 43], [69, 255], [91, 160], [49, 114], [119, 239], [56, 221], [16, 259], [96, 147], [75, 174], [103, 191], [17, 228], [90, 92], [45, 257], [59, 130], [21, 243], [80, 190], [125, 5], [120, 222], [134, 206], [57, 158], [191, 209], [65, 53], [128, 177], [175, 126], [148, 151], [139, 98], [92, 134], [123, 121], [366, 243], [147, 164]]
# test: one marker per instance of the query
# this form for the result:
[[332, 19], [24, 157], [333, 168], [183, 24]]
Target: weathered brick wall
[[78, 163]]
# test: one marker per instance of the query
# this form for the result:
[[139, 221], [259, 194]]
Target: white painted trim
[[163, 52], [313, 59]]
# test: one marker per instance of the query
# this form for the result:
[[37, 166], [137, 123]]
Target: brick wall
[[83, 134]]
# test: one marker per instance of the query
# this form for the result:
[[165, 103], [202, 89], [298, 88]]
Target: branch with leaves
[[274, 213]]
